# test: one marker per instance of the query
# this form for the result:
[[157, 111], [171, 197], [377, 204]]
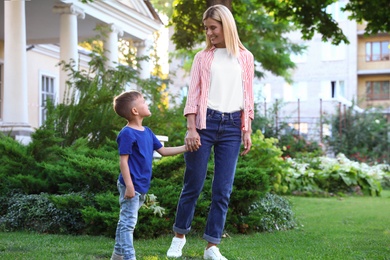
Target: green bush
[[385, 182], [81, 182], [102, 216], [271, 213], [327, 176], [82, 168], [362, 137], [18, 168], [36, 212], [292, 143], [75, 168], [267, 156], [294, 146]]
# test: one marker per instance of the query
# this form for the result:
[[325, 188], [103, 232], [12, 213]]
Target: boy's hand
[[129, 193]]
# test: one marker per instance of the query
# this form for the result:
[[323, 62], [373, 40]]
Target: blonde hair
[[222, 14]]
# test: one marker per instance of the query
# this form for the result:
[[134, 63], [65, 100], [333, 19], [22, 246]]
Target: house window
[[48, 92], [377, 51], [337, 89], [301, 128], [377, 90], [332, 89], [326, 129]]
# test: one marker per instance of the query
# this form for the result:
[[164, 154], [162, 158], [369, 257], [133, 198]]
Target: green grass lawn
[[331, 228]]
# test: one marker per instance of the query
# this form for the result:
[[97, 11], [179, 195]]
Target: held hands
[[192, 141], [246, 139]]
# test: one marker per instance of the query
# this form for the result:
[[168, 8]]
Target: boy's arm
[[169, 151], [125, 170]]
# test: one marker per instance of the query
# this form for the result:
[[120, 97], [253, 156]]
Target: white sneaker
[[176, 247], [213, 254]]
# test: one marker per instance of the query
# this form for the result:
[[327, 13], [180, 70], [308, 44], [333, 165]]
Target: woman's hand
[[192, 140], [246, 139]]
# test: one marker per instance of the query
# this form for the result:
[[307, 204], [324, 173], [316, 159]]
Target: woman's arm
[[246, 139], [193, 95], [192, 140]]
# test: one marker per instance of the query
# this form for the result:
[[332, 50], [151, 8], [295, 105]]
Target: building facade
[[373, 70], [330, 78], [36, 35]]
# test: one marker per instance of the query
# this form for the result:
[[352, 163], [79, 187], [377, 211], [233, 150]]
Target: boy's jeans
[[223, 132], [126, 224]]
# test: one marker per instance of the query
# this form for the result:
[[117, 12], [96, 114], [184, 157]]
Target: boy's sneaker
[[116, 257], [213, 254], [176, 247]]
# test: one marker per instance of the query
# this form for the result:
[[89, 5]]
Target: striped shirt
[[200, 85]]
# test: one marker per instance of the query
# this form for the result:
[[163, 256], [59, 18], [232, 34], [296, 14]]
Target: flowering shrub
[[360, 136], [294, 146], [324, 175]]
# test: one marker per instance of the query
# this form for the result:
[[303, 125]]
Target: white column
[[111, 45], [144, 49], [68, 39], [15, 114]]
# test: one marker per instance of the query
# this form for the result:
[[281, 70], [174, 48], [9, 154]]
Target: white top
[[226, 91]]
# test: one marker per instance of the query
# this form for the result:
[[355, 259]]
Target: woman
[[219, 111]]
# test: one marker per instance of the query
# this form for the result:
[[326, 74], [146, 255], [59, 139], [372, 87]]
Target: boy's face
[[142, 107]]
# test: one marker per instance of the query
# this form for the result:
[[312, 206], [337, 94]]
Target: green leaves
[[262, 26], [375, 13], [338, 175]]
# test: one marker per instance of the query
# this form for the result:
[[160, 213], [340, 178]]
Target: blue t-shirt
[[139, 145]]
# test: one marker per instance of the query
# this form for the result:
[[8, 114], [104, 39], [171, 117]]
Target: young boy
[[136, 144]]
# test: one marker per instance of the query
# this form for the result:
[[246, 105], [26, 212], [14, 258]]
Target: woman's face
[[214, 31]]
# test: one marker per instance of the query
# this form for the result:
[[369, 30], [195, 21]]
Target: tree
[[263, 25], [259, 32], [375, 12]]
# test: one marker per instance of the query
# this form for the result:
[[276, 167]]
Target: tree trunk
[[227, 3]]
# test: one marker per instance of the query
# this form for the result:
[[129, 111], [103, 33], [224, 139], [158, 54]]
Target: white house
[[35, 35]]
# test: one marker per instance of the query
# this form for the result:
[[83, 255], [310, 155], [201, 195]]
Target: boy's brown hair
[[124, 102]]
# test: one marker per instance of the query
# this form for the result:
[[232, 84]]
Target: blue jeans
[[126, 224], [223, 132]]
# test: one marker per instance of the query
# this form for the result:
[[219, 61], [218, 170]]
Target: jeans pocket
[[236, 121]]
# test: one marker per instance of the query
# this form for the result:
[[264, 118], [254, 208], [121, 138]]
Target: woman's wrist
[[249, 131]]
